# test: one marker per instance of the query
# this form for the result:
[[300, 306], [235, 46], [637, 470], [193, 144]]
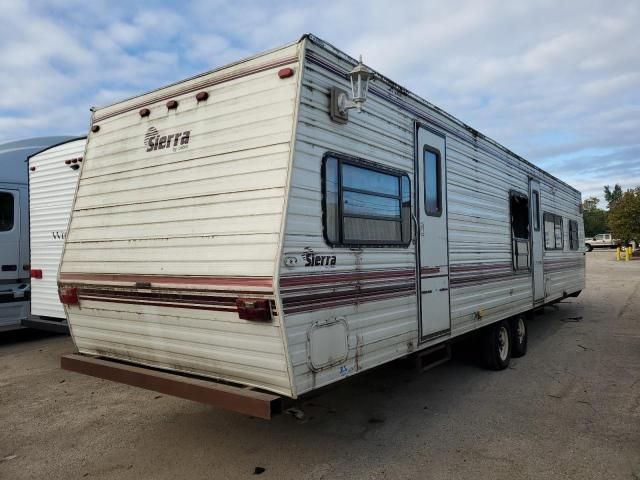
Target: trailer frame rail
[[229, 397]]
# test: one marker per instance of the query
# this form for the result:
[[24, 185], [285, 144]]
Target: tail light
[[253, 309], [35, 273], [68, 295]]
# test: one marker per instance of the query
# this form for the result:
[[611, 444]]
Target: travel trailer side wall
[[229, 227]]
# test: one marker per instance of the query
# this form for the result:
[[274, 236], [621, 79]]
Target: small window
[[519, 211], [536, 211], [6, 211], [365, 204], [573, 235], [432, 182], [553, 232]]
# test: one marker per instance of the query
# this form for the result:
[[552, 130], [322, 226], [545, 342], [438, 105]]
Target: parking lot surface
[[569, 409]]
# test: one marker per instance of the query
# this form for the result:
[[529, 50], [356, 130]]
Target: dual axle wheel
[[503, 340]]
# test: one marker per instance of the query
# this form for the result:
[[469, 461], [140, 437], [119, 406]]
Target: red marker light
[[35, 273], [68, 295], [285, 73]]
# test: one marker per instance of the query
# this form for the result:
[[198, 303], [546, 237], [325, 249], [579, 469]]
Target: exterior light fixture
[[340, 103]]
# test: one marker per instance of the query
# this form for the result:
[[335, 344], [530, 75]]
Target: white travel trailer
[[14, 229], [53, 174], [248, 227]]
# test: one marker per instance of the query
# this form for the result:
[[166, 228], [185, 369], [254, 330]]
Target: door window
[[536, 210], [6, 211], [432, 182]]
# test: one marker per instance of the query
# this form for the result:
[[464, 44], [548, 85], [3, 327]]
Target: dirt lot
[[569, 409]]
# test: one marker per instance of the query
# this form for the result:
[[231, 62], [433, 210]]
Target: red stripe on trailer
[[166, 279]]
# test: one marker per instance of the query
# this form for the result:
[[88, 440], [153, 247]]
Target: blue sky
[[557, 82]]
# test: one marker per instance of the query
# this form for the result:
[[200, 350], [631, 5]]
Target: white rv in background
[[53, 175], [14, 228], [243, 226]]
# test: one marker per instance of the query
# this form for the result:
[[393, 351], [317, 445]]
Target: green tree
[[595, 219], [612, 196], [624, 215]]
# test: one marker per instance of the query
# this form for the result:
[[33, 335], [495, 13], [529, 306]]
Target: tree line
[[622, 218]]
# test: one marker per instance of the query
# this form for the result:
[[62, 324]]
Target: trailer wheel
[[497, 346], [520, 335], [588, 247]]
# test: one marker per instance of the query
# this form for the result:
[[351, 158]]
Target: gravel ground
[[569, 409]]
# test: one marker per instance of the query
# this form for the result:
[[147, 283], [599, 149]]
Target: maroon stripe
[[484, 279], [352, 293], [158, 279], [202, 84], [346, 286], [230, 302], [429, 270], [170, 303], [159, 304], [331, 277], [479, 266], [160, 294], [355, 300]]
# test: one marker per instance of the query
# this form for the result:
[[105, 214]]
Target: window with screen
[[573, 235], [365, 204], [553, 232], [432, 182], [6, 211]]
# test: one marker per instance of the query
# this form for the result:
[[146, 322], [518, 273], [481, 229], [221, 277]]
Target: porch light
[[359, 78]]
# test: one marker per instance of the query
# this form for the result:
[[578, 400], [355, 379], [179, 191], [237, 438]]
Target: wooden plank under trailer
[[229, 397]]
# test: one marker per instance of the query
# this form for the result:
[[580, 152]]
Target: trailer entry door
[[536, 240], [432, 243]]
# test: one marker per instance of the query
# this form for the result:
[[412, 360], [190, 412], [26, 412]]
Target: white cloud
[[550, 80]]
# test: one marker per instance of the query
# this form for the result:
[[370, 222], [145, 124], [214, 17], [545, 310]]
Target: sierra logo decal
[[311, 259], [175, 141]]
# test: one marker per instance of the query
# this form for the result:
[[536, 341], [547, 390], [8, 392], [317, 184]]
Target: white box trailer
[[14, 229], [53, 174], [239, 226]]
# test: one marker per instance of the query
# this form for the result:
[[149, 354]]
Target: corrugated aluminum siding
[[212, 210], [479, 178], [51, 188]]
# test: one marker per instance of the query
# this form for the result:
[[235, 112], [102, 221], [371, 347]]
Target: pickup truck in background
[[602, 240]]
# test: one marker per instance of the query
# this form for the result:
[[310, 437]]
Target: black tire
[[519, 336], [588, 247], [497, 346]]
